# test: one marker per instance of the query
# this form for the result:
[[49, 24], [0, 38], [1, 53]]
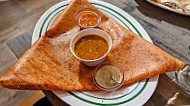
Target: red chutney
[[88, 19]]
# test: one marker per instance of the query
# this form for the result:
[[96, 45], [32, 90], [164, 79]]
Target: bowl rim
[[87, 10], [81, 59], [108, 64]]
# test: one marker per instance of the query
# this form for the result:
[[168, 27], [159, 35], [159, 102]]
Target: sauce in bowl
[[87, 18], [91, 47], [108, 77]]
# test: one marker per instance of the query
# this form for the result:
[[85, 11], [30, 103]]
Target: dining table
[[168, 30]]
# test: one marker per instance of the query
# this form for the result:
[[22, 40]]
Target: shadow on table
[[161, 14]]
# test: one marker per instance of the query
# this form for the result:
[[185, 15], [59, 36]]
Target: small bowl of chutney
[[108, 76], [91, 46], [87, 18]]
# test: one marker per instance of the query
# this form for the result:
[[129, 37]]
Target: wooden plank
[[156, 100], [33, 99], [20, 43], [166, 89], [55, 101]]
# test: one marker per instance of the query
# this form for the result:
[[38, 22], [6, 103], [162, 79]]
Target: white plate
[[166, 7], [134, 94]]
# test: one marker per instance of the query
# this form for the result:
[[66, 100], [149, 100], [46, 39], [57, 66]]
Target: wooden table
[[169, 31]]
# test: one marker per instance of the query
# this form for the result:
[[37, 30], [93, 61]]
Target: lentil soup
[[91, 47]]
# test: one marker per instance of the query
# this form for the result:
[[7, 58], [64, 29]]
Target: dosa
[[49, 64]]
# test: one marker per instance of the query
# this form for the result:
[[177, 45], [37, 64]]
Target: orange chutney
[[88, 19], [91, 47]]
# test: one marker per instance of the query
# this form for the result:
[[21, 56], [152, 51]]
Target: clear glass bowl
[[83, 11], [116, 65], [183, 76]]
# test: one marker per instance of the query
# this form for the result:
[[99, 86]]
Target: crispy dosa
[[49, 64]]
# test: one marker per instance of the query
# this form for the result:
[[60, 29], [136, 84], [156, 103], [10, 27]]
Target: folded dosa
[[49, 65]]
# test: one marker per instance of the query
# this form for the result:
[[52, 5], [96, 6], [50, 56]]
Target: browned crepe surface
[[49, 65]]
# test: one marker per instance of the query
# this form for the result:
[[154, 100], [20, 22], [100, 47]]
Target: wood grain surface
[[169, 31]]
